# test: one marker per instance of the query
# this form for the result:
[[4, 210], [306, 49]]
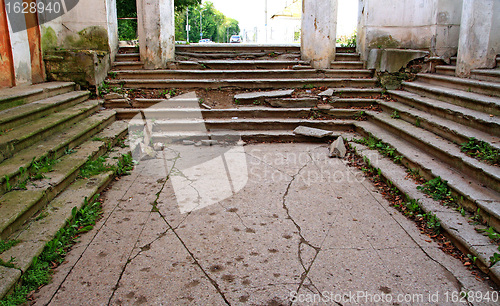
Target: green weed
[[395, 115], [94, 167], [438, 190], [482, 151], [5, 245]]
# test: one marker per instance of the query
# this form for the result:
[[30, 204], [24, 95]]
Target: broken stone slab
[[326, 93], [113, 96], [325, 107], [146, 152], [198, 144], [392, 60], [312, 132], [207, 142], [337, 148], [188, 143], [259, 96], [158, 146], [205, 106], [293, 102]]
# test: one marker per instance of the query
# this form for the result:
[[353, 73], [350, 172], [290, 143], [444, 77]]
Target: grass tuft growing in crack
[[383, 148], [482, 151], [40, 272], [439, 191]]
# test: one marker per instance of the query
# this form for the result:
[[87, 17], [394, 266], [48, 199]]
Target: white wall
[[21, 54], [432, 25]]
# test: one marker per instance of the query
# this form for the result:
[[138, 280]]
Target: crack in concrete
[[212, 281], [93, 238], [302, 240]]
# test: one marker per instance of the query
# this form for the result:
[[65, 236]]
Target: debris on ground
[[337, 148], [312, 132]]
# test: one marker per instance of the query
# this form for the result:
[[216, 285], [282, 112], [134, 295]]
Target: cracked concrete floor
[[298, 224]]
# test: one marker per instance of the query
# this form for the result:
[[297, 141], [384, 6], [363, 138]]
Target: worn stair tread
[[455, 157], [465, 132], [15, 206], [24, 94], [451, 221], [43, 127], [479, 86], [236, 81], [457, 111], [35, 110], [8, 279], [235, 71], [493, 102], [73, 136], [485, 198]]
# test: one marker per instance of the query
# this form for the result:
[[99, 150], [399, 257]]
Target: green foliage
[[438, 190], [383, 148], [7, 244], [125, 165], [40, 272], [94, 167], [495, 258], [481, 150], [492, 234], [348, 41], [395, 115]]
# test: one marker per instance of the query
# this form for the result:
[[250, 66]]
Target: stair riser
[[207, 74], [129, 49], [50, 195], [51, 110], [35, 97], [260, 66], [248, 138], [452, 161], [429, 126], [245, 126], [131, 57], [248, 85], [472, 104], [445, 71], [470, 88], [118, 67], [485, 77], [206, 114], [14, 147], [59, 152], [450, 115], [463, 199]]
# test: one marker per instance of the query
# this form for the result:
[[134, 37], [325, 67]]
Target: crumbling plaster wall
[[432, 25]]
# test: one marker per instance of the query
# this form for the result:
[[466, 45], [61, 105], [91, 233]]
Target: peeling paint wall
[[21, 54], [432, 25]]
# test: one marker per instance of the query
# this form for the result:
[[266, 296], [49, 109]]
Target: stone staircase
[[426, 121], [48, 133]]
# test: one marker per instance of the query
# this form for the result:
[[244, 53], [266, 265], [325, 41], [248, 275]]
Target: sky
[[251, 13]]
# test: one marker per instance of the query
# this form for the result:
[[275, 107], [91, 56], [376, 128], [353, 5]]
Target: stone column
[[319, 32], [478, 45], [156, 30]]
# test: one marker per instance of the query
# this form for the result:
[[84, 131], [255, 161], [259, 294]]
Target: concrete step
[[128, 49], [246, 83], [448, 152], [16, 116], [26, 135], [127, 57], [54, 146], [470, 118], [258, 64], [450, 130], [24, 94], [247, 124], [474, 101], [248, 136], [456, 227], [347, 57], [241, 74], [237, 48], [471, 194], [133, 65], [17, 206], [37, 232], [468, 85], [243, 113], [352, 103], [446, 70], [346, 92], [488, 75], [454, 61]]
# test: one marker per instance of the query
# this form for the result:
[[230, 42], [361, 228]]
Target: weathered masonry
[[87, 32]]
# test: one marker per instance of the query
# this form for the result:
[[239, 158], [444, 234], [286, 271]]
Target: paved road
[[258, 225]]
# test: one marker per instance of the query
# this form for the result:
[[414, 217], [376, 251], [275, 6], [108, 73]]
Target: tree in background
[[127, 28], [215, 25]]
